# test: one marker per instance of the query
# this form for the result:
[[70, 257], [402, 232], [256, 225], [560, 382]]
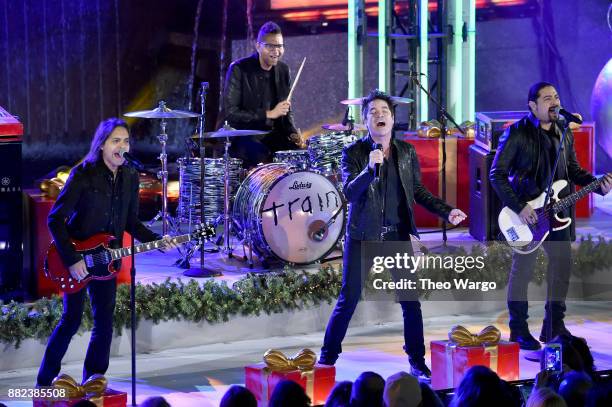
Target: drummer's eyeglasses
[[272, 47]]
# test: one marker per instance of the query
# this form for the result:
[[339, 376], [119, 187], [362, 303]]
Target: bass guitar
[[526, 238]]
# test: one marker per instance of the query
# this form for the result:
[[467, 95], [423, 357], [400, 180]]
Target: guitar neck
[[145, 247], [576, 196]]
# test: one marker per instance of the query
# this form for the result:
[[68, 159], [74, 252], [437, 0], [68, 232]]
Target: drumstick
[[297, 77]]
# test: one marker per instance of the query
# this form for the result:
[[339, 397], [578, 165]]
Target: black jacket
[[84, 208], [364, 199], [243, 107], [518, 172]]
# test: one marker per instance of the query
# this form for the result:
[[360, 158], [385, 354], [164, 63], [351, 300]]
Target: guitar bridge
[[512, 235]]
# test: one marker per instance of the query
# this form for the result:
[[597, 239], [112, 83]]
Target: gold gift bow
[[277, 361], [462, 337], [432, 129], [303, 361], [52, 187], [94, 387]]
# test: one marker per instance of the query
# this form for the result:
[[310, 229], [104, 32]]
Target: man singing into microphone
[[520, 172], [397, 187], [100, 196]]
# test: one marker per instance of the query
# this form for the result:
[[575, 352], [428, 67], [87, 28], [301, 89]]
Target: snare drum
[[296, 158], [188, 209], [287, 213]]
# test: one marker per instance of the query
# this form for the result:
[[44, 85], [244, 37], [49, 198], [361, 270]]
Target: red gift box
[[429, 153], [318, 384], [584, 144], [110, 398], [450, 362]]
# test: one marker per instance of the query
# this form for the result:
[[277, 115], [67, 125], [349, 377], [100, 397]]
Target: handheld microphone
[[131, 160], [377, 146], [570, 118]]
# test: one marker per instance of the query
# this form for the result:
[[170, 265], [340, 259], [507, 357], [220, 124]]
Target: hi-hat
[[397, 100], [222, 133], [162, 112], [342, 127]]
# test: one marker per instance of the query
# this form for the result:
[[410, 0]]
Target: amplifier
[[11, 214], [484, 203], [491, 125]]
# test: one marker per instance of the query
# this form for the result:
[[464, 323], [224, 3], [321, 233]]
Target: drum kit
[[291, 210]]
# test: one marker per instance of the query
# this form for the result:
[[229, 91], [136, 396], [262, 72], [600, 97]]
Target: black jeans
[[350, 293], [558, 250], [103, 295]]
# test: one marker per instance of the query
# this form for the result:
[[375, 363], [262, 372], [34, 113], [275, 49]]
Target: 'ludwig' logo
[[301, 185]]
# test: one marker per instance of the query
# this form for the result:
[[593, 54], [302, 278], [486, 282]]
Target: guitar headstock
[[203, 232]]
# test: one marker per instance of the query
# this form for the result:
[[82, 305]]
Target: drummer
[[255, 97]]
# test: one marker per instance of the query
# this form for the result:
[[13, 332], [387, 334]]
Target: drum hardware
[[228, 221], [163, 112]]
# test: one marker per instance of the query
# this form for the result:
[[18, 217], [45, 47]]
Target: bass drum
[[288, 213]]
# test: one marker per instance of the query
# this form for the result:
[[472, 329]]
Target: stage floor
[[200, 375]]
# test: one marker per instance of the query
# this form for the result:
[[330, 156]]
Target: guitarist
[[100, 196], [520, 172]]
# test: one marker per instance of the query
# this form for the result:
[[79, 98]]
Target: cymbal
[[397, 100], [162, 112], [342, 127], [222, 133]]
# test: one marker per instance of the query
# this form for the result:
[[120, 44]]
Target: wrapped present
[[94, 389], [429, 153], [584, 144], [316, 380], [451, 359]]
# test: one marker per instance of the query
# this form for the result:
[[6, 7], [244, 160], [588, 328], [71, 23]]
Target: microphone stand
[[203, 271], [133, 318], [550, 217], [443, 116]]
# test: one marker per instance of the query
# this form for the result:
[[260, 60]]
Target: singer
[[382, 179], [101, 195], [521, 171]]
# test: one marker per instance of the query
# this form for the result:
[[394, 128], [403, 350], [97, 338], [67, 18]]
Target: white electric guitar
[[526, 238]]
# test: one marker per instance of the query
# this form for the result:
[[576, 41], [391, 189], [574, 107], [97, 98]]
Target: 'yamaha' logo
[[301, 185], [6, 181]]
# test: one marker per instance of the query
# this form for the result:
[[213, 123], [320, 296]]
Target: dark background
[[67, 64]]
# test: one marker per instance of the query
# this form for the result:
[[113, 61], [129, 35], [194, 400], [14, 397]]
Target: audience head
[[481, 387], [430, 398], [574, 388], [600, 395], [288, 394], [402, 390], [238, 396], [84, 403], [368, 390], [340, 395], [545, 397]]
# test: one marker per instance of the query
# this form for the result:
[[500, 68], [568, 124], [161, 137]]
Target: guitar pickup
[[512, 235], [89, 262]]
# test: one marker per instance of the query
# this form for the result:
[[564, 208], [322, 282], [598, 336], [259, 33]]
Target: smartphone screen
[[552, 357]]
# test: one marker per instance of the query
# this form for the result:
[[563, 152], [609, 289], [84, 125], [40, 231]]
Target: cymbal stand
[[163, 176]]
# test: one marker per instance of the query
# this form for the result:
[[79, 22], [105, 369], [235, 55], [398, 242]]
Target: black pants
[[350, 293], [558, 251], [103, 295]]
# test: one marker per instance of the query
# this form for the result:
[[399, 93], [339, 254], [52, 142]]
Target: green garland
[[255, 294]]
